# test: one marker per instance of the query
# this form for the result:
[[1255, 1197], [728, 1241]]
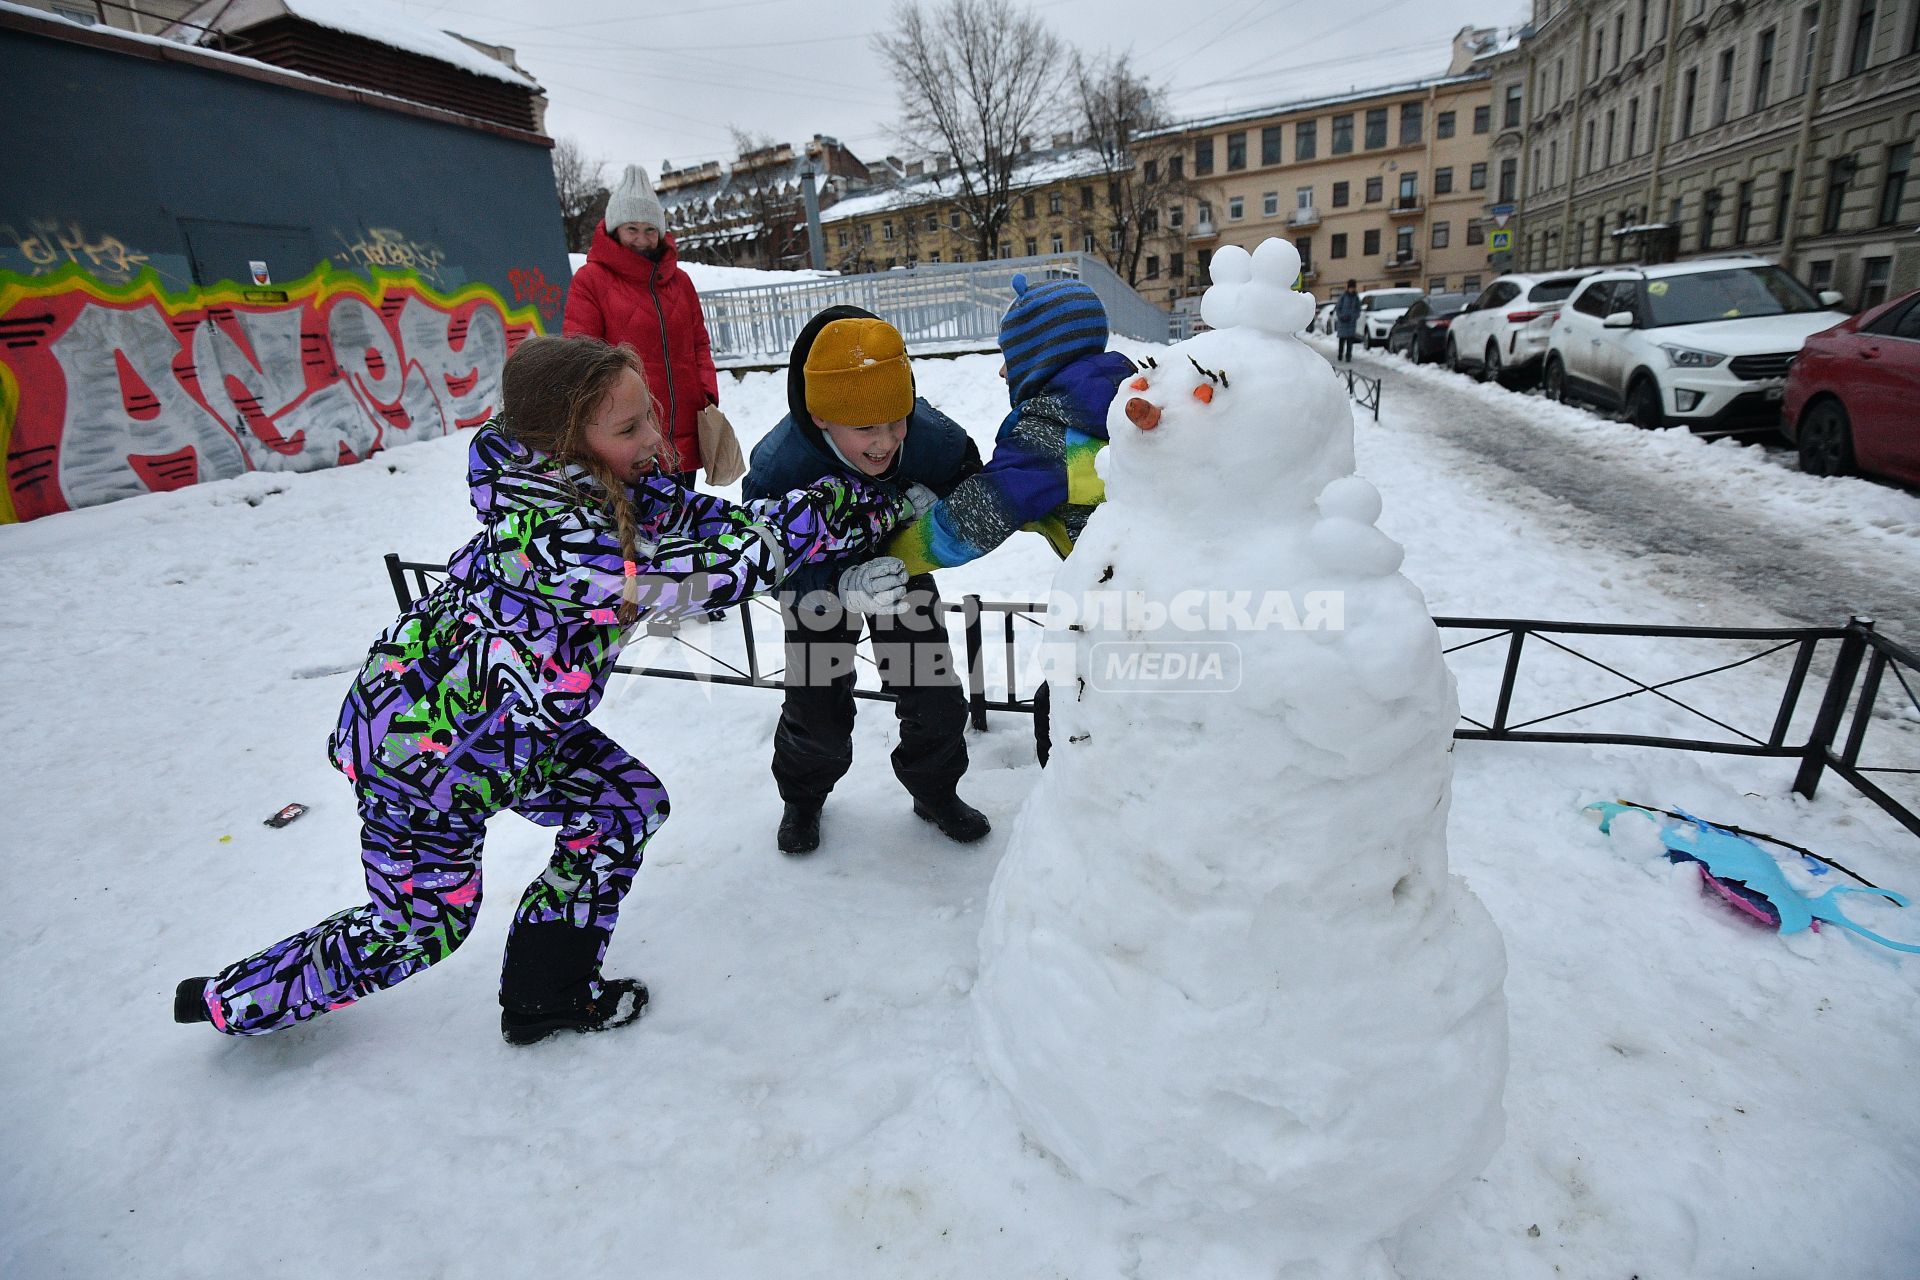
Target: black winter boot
[[799, 828], [621, 1001], [190, 1001], [957, 820]]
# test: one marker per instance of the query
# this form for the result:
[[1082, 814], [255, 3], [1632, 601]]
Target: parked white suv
[[1506, 327], [1379, 308], [1701, 344]]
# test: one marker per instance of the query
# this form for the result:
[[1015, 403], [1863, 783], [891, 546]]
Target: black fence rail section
[[1362, 390], [1823, 721]]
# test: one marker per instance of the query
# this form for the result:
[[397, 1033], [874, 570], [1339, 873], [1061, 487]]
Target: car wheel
[[1826, 440], [1494, 371], [1553, 380], [1643, 405], [1453, 356], [1416, 351]]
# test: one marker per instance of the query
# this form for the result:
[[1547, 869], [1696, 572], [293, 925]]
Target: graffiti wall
[[111, 391]]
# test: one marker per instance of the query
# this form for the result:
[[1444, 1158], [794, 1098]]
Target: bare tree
[[976, 77], [581, 185], [766, 195], [1121, 112]]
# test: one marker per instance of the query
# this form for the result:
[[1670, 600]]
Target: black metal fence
[[1362, 390], [1861, 719]]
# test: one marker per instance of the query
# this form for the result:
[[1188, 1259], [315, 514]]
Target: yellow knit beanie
[[857, 374]]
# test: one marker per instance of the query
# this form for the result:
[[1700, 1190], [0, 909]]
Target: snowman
[[1225, 973]]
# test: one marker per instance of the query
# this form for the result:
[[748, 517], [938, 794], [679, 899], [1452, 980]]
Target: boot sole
[[926, 815], [527, 1033]]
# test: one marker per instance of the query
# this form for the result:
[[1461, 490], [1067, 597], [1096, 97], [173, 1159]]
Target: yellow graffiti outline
[[323, 284]]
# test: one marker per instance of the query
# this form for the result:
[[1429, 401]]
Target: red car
[[1853, 395]]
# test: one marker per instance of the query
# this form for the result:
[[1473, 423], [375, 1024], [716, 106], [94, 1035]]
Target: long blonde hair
[[550, 389]]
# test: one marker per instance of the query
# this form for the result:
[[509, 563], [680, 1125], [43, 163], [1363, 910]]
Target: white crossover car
[[1506, 327]]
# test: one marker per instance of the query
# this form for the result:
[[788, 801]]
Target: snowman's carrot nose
[[1143, 414]]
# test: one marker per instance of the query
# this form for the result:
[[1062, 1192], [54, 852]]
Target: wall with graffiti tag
[[106, 392]]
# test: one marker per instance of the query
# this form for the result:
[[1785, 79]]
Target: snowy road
[[1727, 517]]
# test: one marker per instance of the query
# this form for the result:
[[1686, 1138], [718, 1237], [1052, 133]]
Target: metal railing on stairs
[[936, 306]]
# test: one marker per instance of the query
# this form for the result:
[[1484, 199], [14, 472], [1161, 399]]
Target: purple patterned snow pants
[[423, 885]]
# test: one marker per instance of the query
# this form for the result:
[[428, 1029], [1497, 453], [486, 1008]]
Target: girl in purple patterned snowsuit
[[476, 700]]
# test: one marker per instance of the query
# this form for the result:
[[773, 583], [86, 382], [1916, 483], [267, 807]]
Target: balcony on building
[[1405, 207], [1203, 229], [1303, 217], [1402, 264]]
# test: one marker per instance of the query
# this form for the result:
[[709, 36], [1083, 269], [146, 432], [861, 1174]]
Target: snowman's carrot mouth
[[1143, 414]]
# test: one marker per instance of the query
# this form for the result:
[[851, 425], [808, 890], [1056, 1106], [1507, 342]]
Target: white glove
[[922, 499], [878, 586]]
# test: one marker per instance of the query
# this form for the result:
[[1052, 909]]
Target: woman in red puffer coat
[[631, 289]]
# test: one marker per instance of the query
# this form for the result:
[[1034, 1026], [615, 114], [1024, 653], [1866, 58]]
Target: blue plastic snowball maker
[[1739, 860]]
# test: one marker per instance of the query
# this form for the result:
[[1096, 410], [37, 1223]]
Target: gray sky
[[641, 82]]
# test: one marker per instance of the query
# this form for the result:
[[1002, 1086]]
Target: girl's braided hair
[[550, 390]]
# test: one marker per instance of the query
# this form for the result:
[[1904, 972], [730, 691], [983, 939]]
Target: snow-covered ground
[[708, 278], [1690, 1095]]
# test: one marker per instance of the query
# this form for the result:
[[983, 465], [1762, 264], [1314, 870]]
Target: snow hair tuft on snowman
[[1255, 290]]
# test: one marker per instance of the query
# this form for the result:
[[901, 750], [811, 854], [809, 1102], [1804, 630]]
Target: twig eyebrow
[[1209, 374]]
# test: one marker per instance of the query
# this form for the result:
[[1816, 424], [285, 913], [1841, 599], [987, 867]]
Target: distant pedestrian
[[1346, 320]]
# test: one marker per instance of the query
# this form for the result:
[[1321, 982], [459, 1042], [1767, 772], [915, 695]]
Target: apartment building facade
[[1388, 187], [1658, 129], [752, 211]]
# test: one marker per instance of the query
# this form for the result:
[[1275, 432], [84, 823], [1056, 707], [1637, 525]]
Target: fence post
[[976, 678], [1833, 706], [398, 577], [1507, 678]]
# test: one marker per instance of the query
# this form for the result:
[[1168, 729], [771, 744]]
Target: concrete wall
[[140, 350]]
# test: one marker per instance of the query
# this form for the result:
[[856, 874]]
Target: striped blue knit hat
[[1049, 326]]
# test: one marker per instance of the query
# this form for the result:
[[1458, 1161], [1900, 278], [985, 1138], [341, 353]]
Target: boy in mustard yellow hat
[[852, 411]]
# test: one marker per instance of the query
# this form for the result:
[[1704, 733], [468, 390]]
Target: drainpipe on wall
[[1663, 126], [1798, 157], [816, 243], [1573, 141], [1528, 102]]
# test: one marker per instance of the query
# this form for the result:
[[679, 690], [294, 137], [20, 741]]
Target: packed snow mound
[[1256, 290], [1282, 1042]]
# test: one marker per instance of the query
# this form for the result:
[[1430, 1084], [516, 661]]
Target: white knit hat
[[633, 201]]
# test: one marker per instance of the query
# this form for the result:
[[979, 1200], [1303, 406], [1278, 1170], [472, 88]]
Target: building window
[[1409, 191], [1306, 140], [933, 221], [1839, 172], [1743, 213], [1370, 242], [1270, 203], [1820, 274], [1782, 204], [1509, 180], [1599, 49], [1006, 251], [886, 229], [1619, 35], [1633, 127], [1689, 84], [1376, 128], [1412, 122], [1304, 245], [1033, 247], [1553, 164], [1476, 231], [1026, 201], [1342, 134], [1894, 193], [953, 219], [1874, 277], [1482, 119], [1203, 157], [1642, 45], [934, 256], [1086, 197], [1270, 145], [1809, 42], [1591, 126], [1469, 284], [1149, 172], [1339, 249], [1510, 119], [1375, 190], [1176, 215], [1443, 180], [1862, 53], [843, 237], [1709, 214], [1053, 202], [1153, 266], [1606, 144], [1176, 265], [1723, 88], [1403, 245], [1477, 175], [1340, 190], [1442, 234], [1057, 243], [1176, 168], [1443, 125], [1236, 208], [1763, 69], [1436, 284], [1236, 151], [1203, 216]]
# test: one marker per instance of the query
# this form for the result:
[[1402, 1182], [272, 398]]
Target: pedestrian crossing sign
[[1500, 241]]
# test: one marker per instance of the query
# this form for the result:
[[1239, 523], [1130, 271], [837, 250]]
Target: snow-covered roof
[[381, 21], [1081, 162], [1313, 104]]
